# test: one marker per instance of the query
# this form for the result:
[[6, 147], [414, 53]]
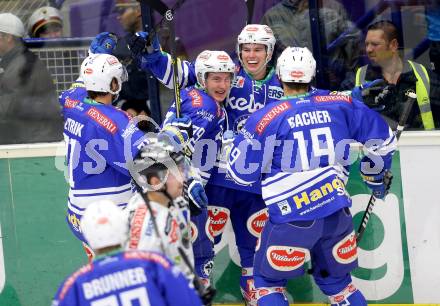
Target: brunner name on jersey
[[113, 282]]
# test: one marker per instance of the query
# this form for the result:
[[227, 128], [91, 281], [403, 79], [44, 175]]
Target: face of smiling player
[[218, 84], [253, 57]]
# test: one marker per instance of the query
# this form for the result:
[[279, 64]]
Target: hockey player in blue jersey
[[255, 85], [121, 278], [299, 149], [202, 105], [100, 139]]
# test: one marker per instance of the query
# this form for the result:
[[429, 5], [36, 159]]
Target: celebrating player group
[[244, 140]]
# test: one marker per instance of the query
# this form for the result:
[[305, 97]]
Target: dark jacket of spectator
[[392, 103], [29, 111]]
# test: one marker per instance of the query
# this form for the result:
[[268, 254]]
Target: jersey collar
[[269, 75], [109, 254], [91, 101], [307, 94]]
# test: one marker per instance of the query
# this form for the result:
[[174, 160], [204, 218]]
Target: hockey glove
[[380, 183], [359, 92], [197, 197], [103, 43], [178, 131], [144, 54]]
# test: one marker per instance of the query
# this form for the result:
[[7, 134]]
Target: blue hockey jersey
[[208, 118], [127, 278], [247, 95], [299, 149], [100, 139]]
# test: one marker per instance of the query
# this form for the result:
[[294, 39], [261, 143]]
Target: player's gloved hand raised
[[143, 52], [103, 43], [379, 183], [359, 92], [197, 197], [178, 131]]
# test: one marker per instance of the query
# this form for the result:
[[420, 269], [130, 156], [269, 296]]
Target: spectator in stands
[[433, 22], [400, 76], [290, 22], [29, 111], [46, 22]]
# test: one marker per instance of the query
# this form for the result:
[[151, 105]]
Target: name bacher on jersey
[[299, 150], [298, 120]]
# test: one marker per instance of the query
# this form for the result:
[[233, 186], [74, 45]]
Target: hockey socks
[[247, 286], [349, 296]]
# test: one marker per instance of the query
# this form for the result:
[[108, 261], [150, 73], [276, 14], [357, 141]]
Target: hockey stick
[[250, 4], [166, 13], [387, 178], [206, 294], [168, 16]]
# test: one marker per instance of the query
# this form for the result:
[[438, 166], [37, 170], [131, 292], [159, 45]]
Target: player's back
[[309, 137], [128, 278], [318, 128], [94, 135]]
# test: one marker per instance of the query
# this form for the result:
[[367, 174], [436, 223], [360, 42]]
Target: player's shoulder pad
[[70, 281], [263, 117], [332, 96], [195, 96], [72, 97], [152, 257]]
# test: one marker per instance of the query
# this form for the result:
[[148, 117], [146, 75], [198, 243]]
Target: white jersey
[[173, 227]]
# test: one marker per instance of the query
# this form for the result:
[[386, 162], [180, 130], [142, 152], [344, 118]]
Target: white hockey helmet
[[11, 24], [43, 16], [98, 71], [212, 61], [104, 224], [296, 65], [257, 34], [157, 158]]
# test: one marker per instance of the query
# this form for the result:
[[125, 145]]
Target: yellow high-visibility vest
[[422, 91]]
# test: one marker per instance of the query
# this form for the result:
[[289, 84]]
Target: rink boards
[[398, 257]]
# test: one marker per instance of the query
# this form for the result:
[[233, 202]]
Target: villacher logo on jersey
[[345, 251], [256, 222], [284, 258], [218, 217]]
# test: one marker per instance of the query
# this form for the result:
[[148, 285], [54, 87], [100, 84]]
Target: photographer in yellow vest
[[398, 76]]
